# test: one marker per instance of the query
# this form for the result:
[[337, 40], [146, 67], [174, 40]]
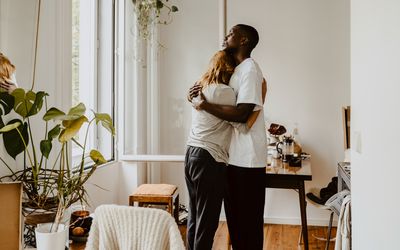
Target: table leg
[[302, 197]]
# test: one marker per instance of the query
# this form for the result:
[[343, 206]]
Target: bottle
[[297, 145]]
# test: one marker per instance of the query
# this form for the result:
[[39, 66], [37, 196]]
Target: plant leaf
[[6, 103], [37, 104], [54, 132], [174, 8], [106, 121], [21, 106], [12, 140], [159, 4], [45, 147], [10, 127], [78, 110], [56, 114], [97, 157], [72, 129], [53, 113]]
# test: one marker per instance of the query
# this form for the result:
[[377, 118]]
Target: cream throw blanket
[[343, 234], [133, 228]]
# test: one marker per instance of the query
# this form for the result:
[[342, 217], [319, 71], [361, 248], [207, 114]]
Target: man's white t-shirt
[[208, 131], [249, 149]]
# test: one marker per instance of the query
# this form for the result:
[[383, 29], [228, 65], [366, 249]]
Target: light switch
[[357, 141]]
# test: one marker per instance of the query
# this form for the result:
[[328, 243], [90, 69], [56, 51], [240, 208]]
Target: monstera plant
[[50, 181]]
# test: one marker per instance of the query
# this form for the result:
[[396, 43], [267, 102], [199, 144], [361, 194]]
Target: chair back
[[133, 228]]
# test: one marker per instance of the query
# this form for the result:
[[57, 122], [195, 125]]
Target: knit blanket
[[133, 228]]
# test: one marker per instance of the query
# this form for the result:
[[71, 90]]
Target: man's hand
[[8, 85], [194, 91]]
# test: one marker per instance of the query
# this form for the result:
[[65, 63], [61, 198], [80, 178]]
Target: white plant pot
[[51, 241]]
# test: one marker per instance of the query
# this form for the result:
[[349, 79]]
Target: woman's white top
[[208, 131]]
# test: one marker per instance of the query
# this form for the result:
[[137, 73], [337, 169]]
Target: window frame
[[95, 139]]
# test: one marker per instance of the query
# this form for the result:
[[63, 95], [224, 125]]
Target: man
[[245, 197]]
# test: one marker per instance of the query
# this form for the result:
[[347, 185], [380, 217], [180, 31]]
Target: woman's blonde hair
[[220, 69], [6, 67]]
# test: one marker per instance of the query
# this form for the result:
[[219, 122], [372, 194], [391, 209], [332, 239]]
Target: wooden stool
[[156, 194]]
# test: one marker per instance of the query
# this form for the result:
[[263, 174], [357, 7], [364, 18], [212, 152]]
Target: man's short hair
[[249, 32]]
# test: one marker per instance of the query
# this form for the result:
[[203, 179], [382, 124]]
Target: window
[[93, 68]]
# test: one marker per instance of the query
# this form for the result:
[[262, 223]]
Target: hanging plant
[[149, 12]]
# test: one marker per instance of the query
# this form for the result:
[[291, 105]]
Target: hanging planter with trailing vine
[[150, 12]]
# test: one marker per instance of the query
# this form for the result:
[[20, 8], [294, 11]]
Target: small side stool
[[156, 194]]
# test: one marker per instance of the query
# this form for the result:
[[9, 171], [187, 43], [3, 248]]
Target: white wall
[[17, 27], [304, 54], [189, 41], [53, 71], [375, 88], [104, 185]]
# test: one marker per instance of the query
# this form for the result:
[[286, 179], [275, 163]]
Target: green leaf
[[45, 147], [23, 101], [54, 132], [97, 157], [37, 104], [78, 110], [72, 129], [106, 121], [159, 4], [12, 140], [10, 127], [56, 114], [53, 113], [174, 8], [6, 103], [29, 103]]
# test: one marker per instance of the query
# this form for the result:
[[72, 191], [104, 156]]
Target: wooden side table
[[157, 194]]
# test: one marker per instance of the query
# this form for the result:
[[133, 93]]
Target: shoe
[[314, 198]]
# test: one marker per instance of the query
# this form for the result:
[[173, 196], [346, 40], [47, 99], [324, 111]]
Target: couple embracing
[[227, 150]]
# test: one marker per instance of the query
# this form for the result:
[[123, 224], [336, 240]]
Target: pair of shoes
[[325, 193]]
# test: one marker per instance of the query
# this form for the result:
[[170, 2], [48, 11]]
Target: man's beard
[[231, 51]]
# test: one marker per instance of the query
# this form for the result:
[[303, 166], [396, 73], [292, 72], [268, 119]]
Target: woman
[[7, 75], [207, 154]]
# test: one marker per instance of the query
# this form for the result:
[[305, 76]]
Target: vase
[[32, 218], [46, 240]]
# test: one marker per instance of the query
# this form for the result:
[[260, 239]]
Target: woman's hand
[[8, 85], [199, 102], [194, 91]]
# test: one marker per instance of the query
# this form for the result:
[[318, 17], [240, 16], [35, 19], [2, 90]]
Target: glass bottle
[[296, 137]]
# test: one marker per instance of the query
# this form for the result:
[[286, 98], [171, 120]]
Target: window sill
[[153, 158]]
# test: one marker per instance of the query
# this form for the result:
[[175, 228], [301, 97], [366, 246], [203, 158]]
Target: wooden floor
[[279, 237], [276, 237]]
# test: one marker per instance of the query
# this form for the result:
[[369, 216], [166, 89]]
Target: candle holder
[[80, 225]]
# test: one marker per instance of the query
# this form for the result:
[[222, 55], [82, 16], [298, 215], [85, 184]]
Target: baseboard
[[293, 221]]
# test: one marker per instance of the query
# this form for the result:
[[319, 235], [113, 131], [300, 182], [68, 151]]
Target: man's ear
[[243, 41]]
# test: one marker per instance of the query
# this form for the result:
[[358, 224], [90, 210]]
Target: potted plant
[[50, 183], [149, 12]]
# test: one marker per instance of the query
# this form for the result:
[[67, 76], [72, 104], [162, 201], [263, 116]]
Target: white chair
[[133, 228]]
